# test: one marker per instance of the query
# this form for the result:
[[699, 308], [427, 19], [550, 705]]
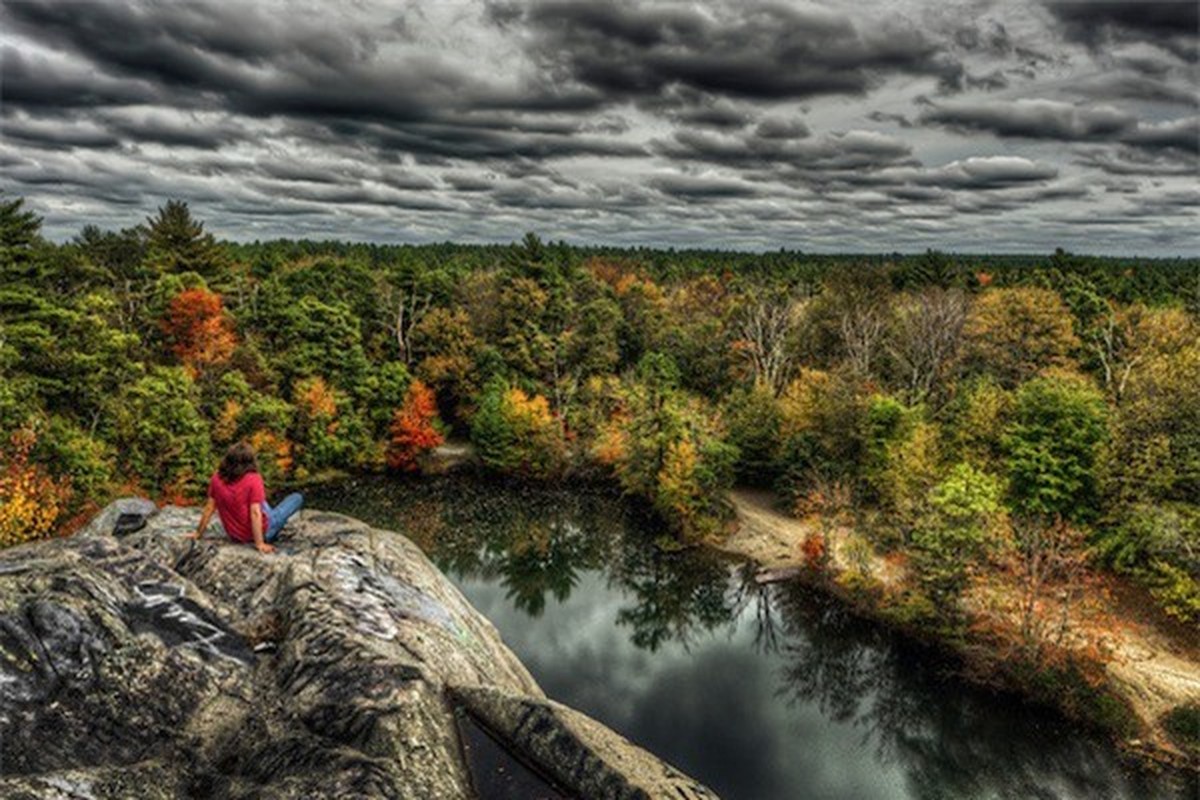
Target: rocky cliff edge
[[149, 665]]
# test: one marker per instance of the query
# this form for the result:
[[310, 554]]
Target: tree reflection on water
[[942, 733], [945, 738]]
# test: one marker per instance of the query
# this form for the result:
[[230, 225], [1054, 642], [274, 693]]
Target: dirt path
[[764, 534], [1153, 672], [451, 455]]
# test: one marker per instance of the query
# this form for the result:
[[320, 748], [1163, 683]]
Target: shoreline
[[1146, 677], [771, 541]]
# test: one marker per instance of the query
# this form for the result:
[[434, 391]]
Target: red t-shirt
[[233, 502]]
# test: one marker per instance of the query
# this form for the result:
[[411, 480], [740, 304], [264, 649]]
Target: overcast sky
[[864, 125]]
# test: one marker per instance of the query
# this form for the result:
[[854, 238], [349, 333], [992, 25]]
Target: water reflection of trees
[[952, 741], [677, 596], [537, 543]]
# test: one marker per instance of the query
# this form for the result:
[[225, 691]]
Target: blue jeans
[[281, 513]]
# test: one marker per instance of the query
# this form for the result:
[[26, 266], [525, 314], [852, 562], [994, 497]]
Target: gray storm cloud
[[879, 125]]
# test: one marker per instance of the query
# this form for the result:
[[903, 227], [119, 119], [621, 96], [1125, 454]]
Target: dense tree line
[[957, 407]]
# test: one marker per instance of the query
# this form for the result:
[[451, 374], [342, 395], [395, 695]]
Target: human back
[[237, 495], [235, 489], [233, 500]]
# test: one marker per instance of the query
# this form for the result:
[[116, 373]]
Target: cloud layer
[[865, 126]]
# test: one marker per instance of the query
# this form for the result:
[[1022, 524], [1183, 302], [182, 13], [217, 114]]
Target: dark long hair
[[239, 459]]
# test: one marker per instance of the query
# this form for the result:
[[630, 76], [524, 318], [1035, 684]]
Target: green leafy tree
[[318, 339], [447, 350], [754, 422], [326, 430], [162, 440], [822, 430], [671, 450], [978, 417], [696, 473], [1159, 545], [954, 535], [517, 434], [1053, 446], [73, 356], [380, 393], [90, 461], [654, 422], [1156, 449], [699, 336], [931, 268]]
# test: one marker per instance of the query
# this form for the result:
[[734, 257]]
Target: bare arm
[[256, 527], [205, 516]]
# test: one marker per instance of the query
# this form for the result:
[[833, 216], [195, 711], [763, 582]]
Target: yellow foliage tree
[[1016, 333], [677, 485], [31, 500], [226, 424], [911, 472]]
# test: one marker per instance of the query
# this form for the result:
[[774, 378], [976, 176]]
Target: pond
[[760, 692]]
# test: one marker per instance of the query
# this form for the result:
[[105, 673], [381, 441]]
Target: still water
[[762, 693]]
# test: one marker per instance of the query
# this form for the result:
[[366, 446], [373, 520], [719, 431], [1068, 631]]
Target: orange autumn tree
[[31, 500], [415, 429], [197, 329]]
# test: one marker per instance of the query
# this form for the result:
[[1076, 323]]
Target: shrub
[[1160, 546], [814, 551], [1177, 592]]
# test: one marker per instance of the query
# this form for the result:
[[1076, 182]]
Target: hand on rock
[[266, 548], [192, 535]]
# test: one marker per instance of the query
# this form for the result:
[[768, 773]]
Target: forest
[[1037, 416]]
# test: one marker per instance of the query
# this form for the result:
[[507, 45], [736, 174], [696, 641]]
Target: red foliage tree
[[197, 329], [415, 428], [815, 554]]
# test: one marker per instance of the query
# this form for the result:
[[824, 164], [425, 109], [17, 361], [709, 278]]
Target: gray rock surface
[[154, 666], [574, 749]]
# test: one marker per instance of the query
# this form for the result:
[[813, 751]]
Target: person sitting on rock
[[236, 493]]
